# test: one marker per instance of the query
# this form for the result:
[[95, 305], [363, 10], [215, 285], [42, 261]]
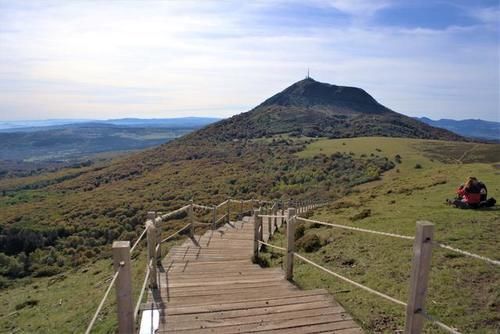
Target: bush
[[29, 302], [418, 166], [45, 271], [362, 215], [309, 243], [299, 231], [10, 266]]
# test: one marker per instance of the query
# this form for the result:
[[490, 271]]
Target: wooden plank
[[252, 311], [260, 319], [329, 321], [300, 297], [209, 285]]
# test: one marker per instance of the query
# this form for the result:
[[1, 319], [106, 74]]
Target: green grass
[[463, 292], [66, 303]]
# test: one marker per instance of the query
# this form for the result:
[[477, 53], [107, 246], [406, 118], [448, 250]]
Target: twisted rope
[[380, 294], [138, 240], [272, 246], [101, 304], [356, 229], [438, 323]]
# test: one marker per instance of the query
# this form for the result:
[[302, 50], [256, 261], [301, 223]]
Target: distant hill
[[314, 109], [53, 142], [179, 122], [474, 128]]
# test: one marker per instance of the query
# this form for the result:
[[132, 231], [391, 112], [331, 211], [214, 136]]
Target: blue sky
[[110, 59]]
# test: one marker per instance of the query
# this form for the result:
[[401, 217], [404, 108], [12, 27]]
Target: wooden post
[[257, 222], [269, 211], [214, 218], [275, 219], [228, 210], [152, 216], [191, 218], [241, 209], [152, 242], [125, 309], [290, 245], [282, 212], [421, 264]]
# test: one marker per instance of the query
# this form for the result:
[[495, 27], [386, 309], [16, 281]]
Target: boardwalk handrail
[[422, 248], [153, 232], [154, 248], [364, 287], [103, 300], [435, 243]]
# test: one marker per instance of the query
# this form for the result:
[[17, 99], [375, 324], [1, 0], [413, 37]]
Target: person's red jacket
[[469, 197]]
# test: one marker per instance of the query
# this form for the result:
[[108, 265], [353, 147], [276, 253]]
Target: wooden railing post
[[152, 216], [290, 245], [269, 222], [228, 210], [241, 209], [261, 224], [214, 217], [125, 309], [191, 218], [275, 219], [152, 259], [257, 221], [421, 264]]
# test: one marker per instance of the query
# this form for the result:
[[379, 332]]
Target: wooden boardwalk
[[209, 285]]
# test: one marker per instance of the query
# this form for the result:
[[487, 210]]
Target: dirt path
[[460, 160]]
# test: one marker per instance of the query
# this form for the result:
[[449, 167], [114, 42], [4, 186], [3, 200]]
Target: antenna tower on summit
[[308, 77]]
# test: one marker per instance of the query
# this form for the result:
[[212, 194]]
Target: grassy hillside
[[55, 224], [463, 292], [61, 224]]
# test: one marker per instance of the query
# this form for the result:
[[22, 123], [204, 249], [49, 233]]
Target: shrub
[[45, 271], [309, 243], [10, 266], [299, 231], [29, 302], [362, 215], [418, 166]]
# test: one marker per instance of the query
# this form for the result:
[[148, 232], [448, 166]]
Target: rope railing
[[123, 251], [423, 243], [138, 240], [480, 257], [272, 246], [272, 216], [345, 279], [103, 300], [143, 289], [175, 212], [221, 218], [438, 323], [358, 229], [175, 233], [222, 204]]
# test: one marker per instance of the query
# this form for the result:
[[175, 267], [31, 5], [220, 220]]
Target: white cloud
[[359, 7], [100, 59]]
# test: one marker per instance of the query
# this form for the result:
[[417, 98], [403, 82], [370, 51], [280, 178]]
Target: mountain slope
[[316, 109], [475, 128]]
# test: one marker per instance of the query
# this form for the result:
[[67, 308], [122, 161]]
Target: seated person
[[468, 195]]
